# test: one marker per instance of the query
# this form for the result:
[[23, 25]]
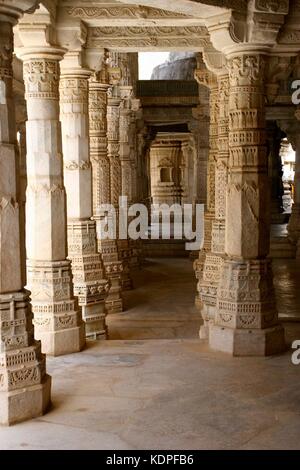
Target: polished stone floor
[[161, 305], [156, 385]]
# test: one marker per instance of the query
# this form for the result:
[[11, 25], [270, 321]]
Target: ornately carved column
[[124, 140], [101, 186], [113, 136], [200, 130], [208, 79], [126, 247], [57, 317], [214, 260], [21, 118], [24, 384], [135, 121], [246, 321], [89, 284]]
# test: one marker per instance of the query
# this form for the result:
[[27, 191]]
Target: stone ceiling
[[135, 27]]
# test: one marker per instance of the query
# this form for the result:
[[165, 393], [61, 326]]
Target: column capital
[[205, 77], [126, 91], [41, 73], [98, 85], [239, 28], [79, 73], [71, 64], [113, 101], [43, 52], [246, 69]]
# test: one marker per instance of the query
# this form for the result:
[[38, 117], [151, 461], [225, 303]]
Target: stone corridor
[[159, 387], [134, 347]]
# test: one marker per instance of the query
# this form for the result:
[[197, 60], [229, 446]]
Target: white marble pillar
[[101, 186], [57, 317], [246, 320], [113, 136], [24, 384], [126, 247], [200, 130], [21, 118], [89, 284], [214, 259], [135, 121], [208, 79]]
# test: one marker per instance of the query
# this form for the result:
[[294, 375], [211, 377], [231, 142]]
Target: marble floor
[[155, 385]]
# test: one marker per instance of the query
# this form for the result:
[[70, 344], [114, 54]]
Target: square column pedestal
[[246, 321], [57, 317], [24, 385]]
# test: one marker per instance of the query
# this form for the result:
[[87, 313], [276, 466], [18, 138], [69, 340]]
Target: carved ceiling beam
[[156, 8], [133, 15], [142, 38]]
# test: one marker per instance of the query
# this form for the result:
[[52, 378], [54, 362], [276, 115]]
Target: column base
[[207, 288], [247, 342], [57, 318], [94, 318], [114, 301], [25, 403], [114, 305], [208, 314], [58, 343], [126, 283], [125, 253], [198, 269]]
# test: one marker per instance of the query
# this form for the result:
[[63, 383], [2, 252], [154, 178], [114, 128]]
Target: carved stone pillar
[[214, 260], [207, 78], [200, 131], [57, 318], [113, 136], [24, 384], [21, 118], [89, 284], [125, 247], [101, 186], [246, 320], [135, 121], [199, 127]]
